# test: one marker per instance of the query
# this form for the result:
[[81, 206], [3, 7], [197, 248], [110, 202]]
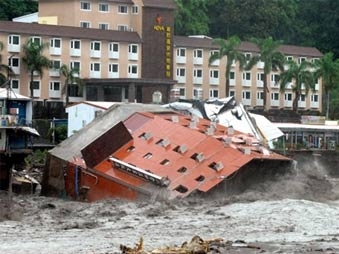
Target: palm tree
[[2, 67], [228, 48], [328, 69], [71, 79], [34, 60], [5, 70], [301, 77], [272, 58]]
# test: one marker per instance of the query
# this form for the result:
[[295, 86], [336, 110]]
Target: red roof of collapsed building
[[171, 151]]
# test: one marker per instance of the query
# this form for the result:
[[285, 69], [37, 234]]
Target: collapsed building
[[135, 150]]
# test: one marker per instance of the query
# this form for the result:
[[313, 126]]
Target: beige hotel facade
[[127, 51]]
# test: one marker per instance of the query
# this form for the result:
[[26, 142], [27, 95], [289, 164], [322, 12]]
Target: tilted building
[[128, 51]]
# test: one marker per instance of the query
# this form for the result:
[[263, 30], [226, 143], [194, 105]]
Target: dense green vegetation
[[10, 9], [299, 22]]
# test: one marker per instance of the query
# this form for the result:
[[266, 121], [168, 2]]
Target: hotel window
[[85, 6], [232, 93], [103, 7], [95, 66], [301, 59], [181, 72], [132, 51], [95, 45], [260, 76], [289, 58], [314, 98], [113, 50], [54, 68], [75, 44], [246, 95], [181, 55], [36, 40], [75, 49], [181, 52], [288, 97], [55, 43], [302, 98], [85, 24], [123, 9], [133, 70], [14, 62], [214, 93], [260, 95], [36, 85], [197, 73], [232, 75], [114, 47], [135, 9], [182, 92], [103, 26], [275, 96], [217, 61], [54, 86], [75, 65], [197, 76], [275, 79], [113, 68], [197, 56], [197, 53], [15, 84], [14, 40], [214, 74], [246, 76], [55, 64], [123, 28]]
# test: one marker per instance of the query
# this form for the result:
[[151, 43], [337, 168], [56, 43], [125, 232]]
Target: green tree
[[34, 60], [248, 18], [191, 17], [5, 70], [327, 68], [301, 77], [317, 25], [2, 76], [272, 58], [229, 49], [71, 80], [10, 9]]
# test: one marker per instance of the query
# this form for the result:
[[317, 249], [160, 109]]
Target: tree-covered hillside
[[301, 22]]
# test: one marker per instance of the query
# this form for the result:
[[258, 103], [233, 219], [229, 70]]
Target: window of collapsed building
[[181, 189]]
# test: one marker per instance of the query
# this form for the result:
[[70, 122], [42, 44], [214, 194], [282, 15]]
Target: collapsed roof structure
[[137, 150]]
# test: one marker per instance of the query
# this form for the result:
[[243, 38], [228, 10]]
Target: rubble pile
[[196, 246]]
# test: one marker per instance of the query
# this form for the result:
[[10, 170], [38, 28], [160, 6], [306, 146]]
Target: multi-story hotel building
[[127, 51]]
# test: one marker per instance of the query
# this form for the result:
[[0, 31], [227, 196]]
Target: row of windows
[[198, 54], [105, 26], [55, 65], [104, 7], [214, 74], [197, 93], [75, 47]]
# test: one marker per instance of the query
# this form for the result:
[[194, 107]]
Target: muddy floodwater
[[295, 213]]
